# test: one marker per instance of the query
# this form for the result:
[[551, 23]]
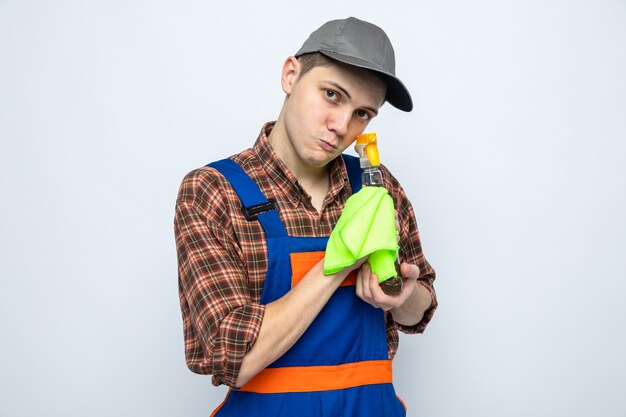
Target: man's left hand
[[368, 290]]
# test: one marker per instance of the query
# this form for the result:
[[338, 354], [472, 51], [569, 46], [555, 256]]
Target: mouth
[[327, 145]]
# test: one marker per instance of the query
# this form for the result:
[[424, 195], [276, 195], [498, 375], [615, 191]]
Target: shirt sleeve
[[221, 320], [411, 249]]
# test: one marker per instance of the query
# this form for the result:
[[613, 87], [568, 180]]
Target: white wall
[[514, 157]]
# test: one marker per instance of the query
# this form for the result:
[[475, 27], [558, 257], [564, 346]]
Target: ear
[[291, 71]]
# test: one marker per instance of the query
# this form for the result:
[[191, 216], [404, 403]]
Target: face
[[324, 111]]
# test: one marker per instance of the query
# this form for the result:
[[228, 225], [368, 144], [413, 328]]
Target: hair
[[317, 59], [312, 60]]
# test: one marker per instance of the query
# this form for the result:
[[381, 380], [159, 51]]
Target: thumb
[[409, 270]]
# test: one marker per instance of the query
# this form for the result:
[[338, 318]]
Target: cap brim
[[397, 94]]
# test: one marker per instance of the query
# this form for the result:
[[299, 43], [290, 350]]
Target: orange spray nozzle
[[366, 145]]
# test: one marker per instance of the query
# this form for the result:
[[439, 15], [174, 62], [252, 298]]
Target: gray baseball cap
[[362, 44]]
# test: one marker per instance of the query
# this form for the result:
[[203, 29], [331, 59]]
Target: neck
[[305, 174], [314, 180]]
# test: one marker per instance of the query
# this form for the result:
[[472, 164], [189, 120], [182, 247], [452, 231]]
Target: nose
[[339, 120]]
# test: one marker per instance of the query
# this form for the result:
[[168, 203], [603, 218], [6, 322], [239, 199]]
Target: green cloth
[[366, 227]]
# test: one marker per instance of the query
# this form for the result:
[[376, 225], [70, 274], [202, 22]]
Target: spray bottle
[[371, 176]]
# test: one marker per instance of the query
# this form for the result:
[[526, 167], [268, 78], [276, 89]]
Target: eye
[[332, 95], [362, 114]]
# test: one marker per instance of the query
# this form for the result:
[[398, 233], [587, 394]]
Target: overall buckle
[[251, 212]]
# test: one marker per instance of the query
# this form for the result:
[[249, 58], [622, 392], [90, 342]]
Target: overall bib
[[340, 365]]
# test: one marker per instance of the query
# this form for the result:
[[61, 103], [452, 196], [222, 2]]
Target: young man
[[259, 314]]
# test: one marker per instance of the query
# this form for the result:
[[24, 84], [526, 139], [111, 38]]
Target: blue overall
[[347, 332]]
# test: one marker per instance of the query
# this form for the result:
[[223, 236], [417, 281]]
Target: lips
[[327, 145]]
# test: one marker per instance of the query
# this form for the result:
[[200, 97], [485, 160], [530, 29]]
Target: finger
[[362, 285], [376, 293], [380, 299], [363, 276], [409, 270], [367, 278], [359, 285]]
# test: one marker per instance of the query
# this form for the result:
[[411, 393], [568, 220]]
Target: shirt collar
[[280, 174]]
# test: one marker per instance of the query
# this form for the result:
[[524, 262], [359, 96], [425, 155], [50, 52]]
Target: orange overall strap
[[320, 378]]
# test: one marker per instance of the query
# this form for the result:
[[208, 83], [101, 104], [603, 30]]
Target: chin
[[316, 163], [322, 159]]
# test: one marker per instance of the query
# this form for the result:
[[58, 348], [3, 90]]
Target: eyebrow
[[344, 91]]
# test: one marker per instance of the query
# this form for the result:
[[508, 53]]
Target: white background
[[514, 158]]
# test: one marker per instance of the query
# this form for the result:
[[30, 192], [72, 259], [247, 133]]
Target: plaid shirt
[[222, 257]]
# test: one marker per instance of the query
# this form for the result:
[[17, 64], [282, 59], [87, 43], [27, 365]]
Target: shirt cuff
[[428, 314], [237, 334]]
